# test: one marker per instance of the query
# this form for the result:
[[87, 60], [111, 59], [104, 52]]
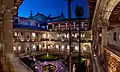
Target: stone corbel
[[12, 10], [2, 9], [105, 22]]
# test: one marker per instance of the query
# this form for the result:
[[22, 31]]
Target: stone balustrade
[[113, 61]]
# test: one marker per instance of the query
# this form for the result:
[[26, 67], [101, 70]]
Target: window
[[33, 34], [36, 34], [50, 26], [119, 36], [114, 36], [13, 36], [27, 36], [56, 25], [21, 33], [15, 33]]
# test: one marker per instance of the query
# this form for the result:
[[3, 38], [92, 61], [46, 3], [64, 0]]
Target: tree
[[79, 13]]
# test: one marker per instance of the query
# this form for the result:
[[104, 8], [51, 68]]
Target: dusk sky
[[53, 7]]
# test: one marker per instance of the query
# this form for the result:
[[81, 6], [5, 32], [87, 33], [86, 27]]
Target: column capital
[[104, 22], [12, 10], [4, 9]]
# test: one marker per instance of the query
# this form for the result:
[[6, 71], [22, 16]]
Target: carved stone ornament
[[12, 10], [105, 22], [2, 8]]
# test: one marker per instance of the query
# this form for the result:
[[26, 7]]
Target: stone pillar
[[7, 32], [104, 39], [95, 38], [9, 10], [2, 9]]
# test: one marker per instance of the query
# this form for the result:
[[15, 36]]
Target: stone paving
[[18, 65]]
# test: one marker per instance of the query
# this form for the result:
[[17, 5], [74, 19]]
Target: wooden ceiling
[[115, 15]]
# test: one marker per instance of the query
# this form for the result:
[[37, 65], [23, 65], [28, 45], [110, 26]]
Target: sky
[[53, 7]]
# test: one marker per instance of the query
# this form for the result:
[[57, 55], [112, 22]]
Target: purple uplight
[[59, 66]]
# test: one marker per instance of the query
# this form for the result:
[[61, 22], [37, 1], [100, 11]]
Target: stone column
[[104, 37], [8, 31], [94, 40], [9, 10], [2, 9]]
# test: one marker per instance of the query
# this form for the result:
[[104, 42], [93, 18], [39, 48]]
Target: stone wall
[[112, 36]]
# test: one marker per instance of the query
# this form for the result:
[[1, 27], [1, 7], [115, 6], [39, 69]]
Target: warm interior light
[[62, 40], [14, 48], [15, 33], [76, 48], [34, 59], [100, 34], [40, 46], [19, 48], [65, 35], [34, 46], [75, 35], [44, 35], [83, 35], [84, 48], [68, 47], [22, 39], [47, 55], [51, 45], [33, 34], [58, 35], [32, 39], [48, 46], [48, 35], [62, 47], [119, 37], [57, 46], [36, 67]]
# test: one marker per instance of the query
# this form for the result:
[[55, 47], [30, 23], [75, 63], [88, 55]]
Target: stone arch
[[106, 13], [104, 18], [109, 8]]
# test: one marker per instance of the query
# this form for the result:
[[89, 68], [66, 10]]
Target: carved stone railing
[[53, 51], [113, 61]]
